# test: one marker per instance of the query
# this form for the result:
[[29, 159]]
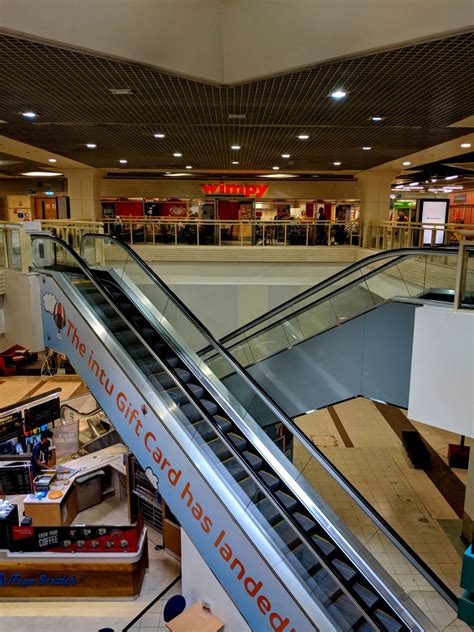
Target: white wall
[[22, 313], [233, 40], [199, 584], [442, 372]]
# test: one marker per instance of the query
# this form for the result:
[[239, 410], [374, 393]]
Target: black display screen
[[15, 480], [11, 426], [42, 414]]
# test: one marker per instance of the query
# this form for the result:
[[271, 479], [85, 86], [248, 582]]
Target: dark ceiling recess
[[418, 90]]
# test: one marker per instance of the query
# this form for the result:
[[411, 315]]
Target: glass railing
[[383, 277], [314, 472]]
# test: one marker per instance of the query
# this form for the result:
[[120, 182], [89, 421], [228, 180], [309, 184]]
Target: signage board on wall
[[433, 212], [11, 425], [235, 188], [42, 414], [201, 512]]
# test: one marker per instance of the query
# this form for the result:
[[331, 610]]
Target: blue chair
[[174, 607]]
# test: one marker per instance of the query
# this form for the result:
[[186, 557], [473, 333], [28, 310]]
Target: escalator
[[132, 340], [365, 312]]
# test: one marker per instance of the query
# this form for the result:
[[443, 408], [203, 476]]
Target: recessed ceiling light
[[315, 176], [159, 135], [29, 114], [338, 94], [42, 174], [377, 119], [121, 90], [235, 147], [451, 177], [177, 155], [400, 186], [414, 184], [465, 145], [285, 155], [189, 167], [303, 136], [234, 162], [91, 145], [276, 168], [433, 179], [123, 161], [366, 148], [336, 164], [173, 175], [406, 163], [52, 160]]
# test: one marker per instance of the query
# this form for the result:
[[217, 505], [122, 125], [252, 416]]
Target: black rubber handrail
[[399, 253], [370, 511]]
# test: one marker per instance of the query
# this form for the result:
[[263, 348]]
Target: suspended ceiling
[[420, 91]]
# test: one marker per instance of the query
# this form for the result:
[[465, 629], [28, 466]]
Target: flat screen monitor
[[433, 212]]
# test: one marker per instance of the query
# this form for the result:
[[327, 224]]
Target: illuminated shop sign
[[234, 188]]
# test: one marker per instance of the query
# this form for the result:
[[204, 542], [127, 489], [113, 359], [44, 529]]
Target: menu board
[[11, 426], [15, 480], [42, 414]]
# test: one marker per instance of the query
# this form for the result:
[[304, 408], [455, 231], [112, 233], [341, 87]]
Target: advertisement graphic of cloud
[[49, 302]]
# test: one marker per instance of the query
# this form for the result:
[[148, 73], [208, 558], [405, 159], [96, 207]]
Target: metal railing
[[200, 232], [390, 235]]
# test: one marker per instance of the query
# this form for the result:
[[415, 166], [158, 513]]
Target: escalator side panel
[[192, 488]]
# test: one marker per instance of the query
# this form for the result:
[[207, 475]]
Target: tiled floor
[[380, 469]]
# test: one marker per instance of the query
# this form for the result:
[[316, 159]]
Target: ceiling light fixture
[[377, 119], [91, 145], [406, 163], [42, 174], [52, 160], [118, 91], [336, 164], [159, 135], [400, 186], [123, 161], [29, 114], [276, 168], [234, 162], [235, 147], [278, 175], [366, 148], [177, 154], [171, 175], [189, 167], [414, 184], [465, 145], [434, 180], [303, 136], [285, 155], [451, 177], [338, 94]]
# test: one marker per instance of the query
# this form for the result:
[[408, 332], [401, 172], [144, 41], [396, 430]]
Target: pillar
[[468, 518], [375, 188], [83, 187]]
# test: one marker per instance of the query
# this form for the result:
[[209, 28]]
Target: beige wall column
[[83, 187], [468, 518], [375, 189]]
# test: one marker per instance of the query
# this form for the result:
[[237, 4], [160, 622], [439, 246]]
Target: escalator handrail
[[356, 496], [336, 575], [399, 253], [86, 271]]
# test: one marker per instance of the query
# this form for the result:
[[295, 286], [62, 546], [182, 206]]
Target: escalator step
[[204, 429], [220, 449], [235, 468], [369, 597], [307, 524], [289, 502], [345, 606], [238, 441], [139, 352], [269, 511], [270, 480], [172, 361], [191, 412], [324, 545], [116, 324], [348, 572], [255, 461], [224, 424], [307, 559], [250, 487], [287, 534], [107, 311], [211, 407], [390, 624], [180, 397], [126, 338], [166, 380]]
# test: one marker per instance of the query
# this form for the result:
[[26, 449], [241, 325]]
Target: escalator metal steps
[[239, 442], [180, 397], [287, 534], [235, 469]]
